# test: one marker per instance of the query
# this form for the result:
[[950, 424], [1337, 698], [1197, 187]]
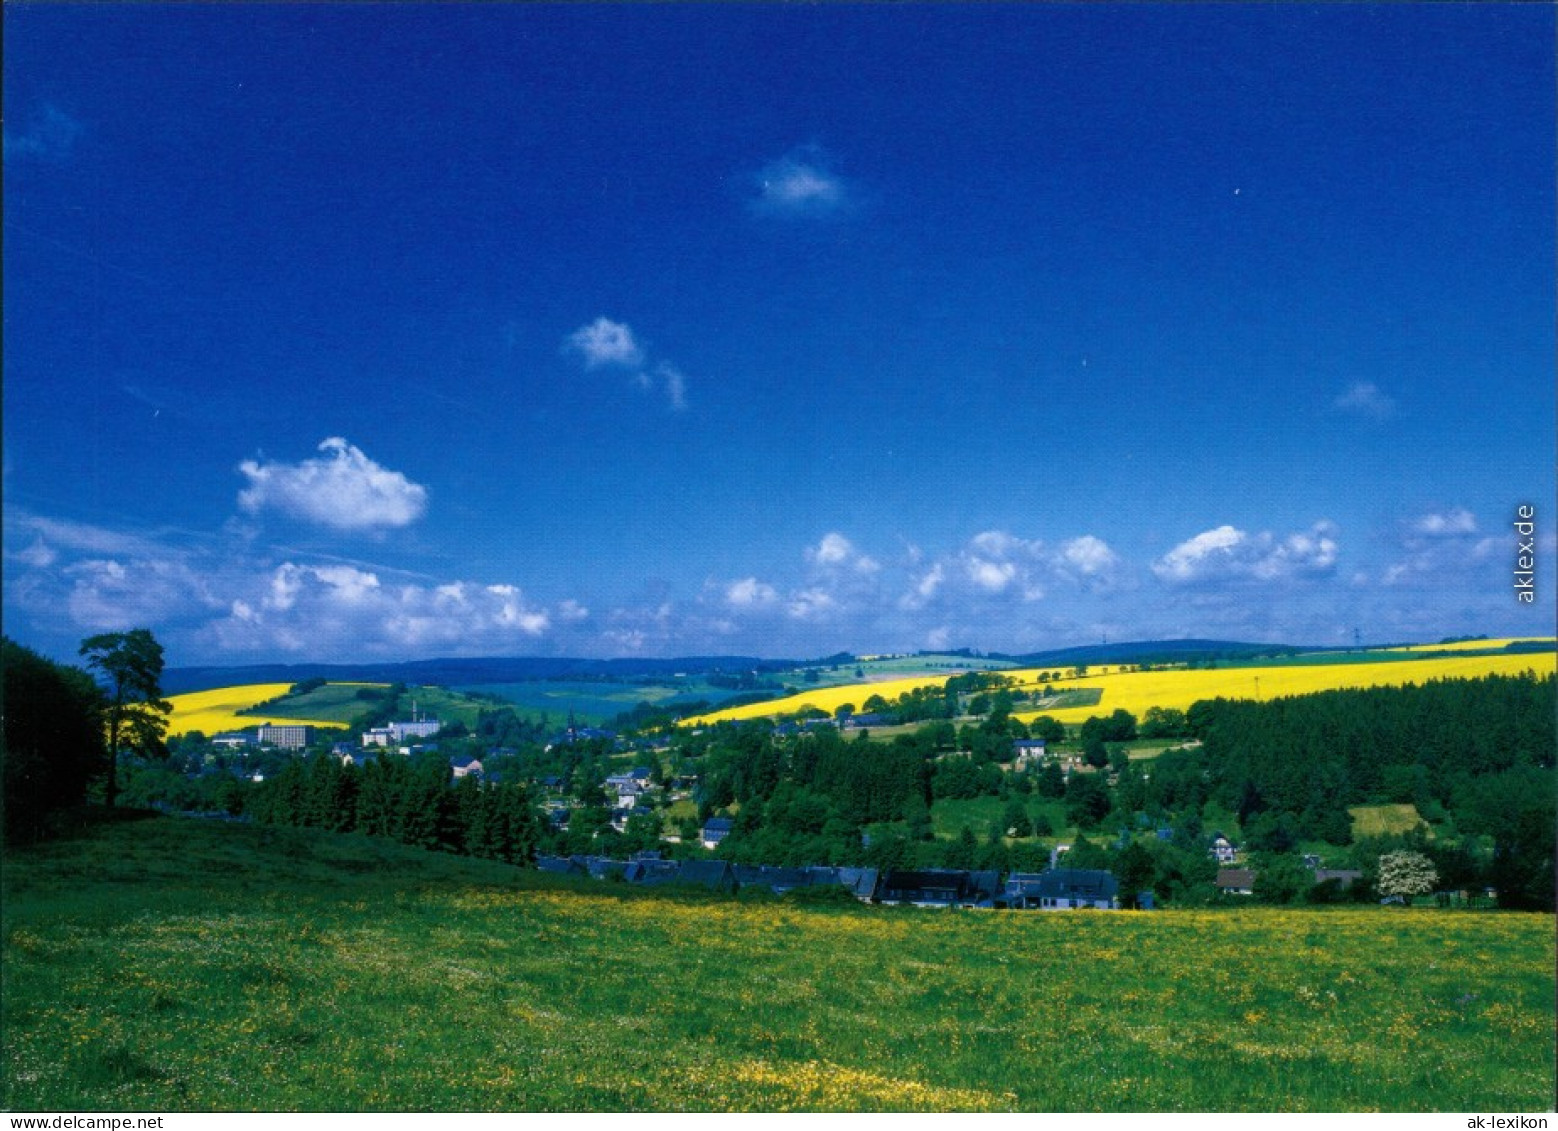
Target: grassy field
[[169, 965], [592, 702], [1384, 820]]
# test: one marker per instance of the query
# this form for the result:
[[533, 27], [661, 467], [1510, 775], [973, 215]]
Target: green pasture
[[1384, 820], [166, 965]]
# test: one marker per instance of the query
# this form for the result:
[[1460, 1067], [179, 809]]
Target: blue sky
[[398, 331]]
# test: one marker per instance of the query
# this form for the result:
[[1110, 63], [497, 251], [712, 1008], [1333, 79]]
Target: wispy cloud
[[1439, 545], [345, 490], [675, 387], [606, 344], [1365, 399], [802, 183], [1454, 522]]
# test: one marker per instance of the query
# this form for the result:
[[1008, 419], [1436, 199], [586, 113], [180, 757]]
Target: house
[[631, 786], [651, 871], [716, 875], [715, 830], [938, 887], [861, 882], [621, 816], [464, 765], [635, 779], [1223, 850], [1343, 878], [561, 865], [1028, 752], [869, 719], [1062, 889], [602, 868], [776, 880], [1236, 881], [232, 739]]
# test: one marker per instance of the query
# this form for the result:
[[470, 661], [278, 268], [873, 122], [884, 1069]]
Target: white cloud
[[1089, 556], [604, 342], [1454, 522], [992, 577], [832, 550], [749, 593], [344, 491], [801, 183], [1230, 554], [511, 611], [836, 552], [811, 604], [1364, 398], [327, 610]]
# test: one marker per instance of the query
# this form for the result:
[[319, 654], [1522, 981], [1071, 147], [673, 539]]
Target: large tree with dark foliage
[[52, 739], [130, 664]]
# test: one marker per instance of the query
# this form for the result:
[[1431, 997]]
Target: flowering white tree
[[1406, 874]]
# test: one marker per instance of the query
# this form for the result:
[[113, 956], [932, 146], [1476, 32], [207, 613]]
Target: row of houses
[[1054, 890]]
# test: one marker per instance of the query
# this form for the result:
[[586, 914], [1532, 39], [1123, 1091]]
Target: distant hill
[[464, 671]]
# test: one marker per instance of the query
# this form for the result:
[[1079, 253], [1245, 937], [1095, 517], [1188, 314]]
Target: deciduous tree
[[1406, 874]]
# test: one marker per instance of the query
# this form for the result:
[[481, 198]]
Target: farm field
[[217, 710], [329, 705], [165, 965], [1385, 820], [1135, 691], [829, 699]]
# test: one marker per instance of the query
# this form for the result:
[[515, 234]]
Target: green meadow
[[161, 964]]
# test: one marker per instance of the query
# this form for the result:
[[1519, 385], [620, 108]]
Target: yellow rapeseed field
[[217, 710], [1469, 645], [1135, 691]]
